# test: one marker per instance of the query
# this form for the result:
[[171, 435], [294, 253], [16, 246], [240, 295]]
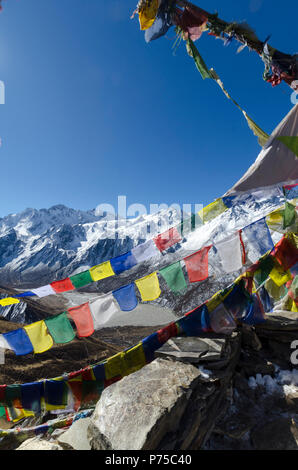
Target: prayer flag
[[126, 298], [64, 285], [221, 321], [13, 394], [238, 301], [148, 13], [134, 359], [150, 345], [114, 366], [286, 252], [167, 239], [39, 336], [145, 251], [289, 215], [81, 279], [195, 322], [3, 343], [230, 253], [212, 210], [291, 191], [279, 276], [197, 265], [19, 341], [31, 396], [55, 394], [259, 239], [60, 328], [149, 287], [44, 291], [256, 312], [123, 263], [200, 64], [103, 309], [101, 271], [174, 277], [8, 301], [265, 267], [99, 372], [82, 317], [169, 331], [274, 291]]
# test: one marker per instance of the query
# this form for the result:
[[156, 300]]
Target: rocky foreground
[[235, 392]]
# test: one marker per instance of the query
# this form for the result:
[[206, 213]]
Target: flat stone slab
[[193, 349], [76, 435]]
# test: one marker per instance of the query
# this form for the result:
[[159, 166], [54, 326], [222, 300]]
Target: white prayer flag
[[221, 321], [103, 309], [44, 291], [230, 253]]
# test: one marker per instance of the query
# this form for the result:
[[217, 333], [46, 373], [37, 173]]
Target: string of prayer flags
[[174, 277], [123, 263], [101, 271], [64, 285], [81, 279], [60, 328], [197, 265], [149, 287], [213, 210], [145, 251], [259, 239], [103, 309], [221, 321], [230, 253], [8, 301], [39, 337], [19, 342], [167, 239], [82, 317], [126, 298]]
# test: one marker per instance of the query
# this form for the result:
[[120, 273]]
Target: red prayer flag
[[167, 332], [62, 286], [167, 239], [286, 253], [197, 265], [82, 317]]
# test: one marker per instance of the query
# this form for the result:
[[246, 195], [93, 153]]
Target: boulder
[[75, 437], [36, 443]]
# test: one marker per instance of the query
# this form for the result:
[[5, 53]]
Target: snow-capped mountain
[[39, 246]]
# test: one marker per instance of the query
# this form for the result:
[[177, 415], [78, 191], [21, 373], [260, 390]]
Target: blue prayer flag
[[123, 262], [126, 298], [259, 239], [26, 294], [256, 313], [31, 396], [19, 341], [55, 392], [151, 344], [99, 371], [196, 322]]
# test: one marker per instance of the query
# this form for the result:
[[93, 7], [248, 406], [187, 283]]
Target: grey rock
[[193, 349], [76, 436], [39, 444]]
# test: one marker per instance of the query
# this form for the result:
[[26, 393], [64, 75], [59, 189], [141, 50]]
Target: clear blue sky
[[93, 112]]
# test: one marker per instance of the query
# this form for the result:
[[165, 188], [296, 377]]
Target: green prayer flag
[[174, 277], [265, 267], [60, 328], [81, 279], [289, 215], [200, 64], [2, 411], [291, 142]]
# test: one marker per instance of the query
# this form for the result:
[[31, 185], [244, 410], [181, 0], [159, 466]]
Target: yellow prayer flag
[[148, 14], [276, 292], [9, 301], [134, 359], [39, 336], [212, 210], [149, 287], [279, 276], [114, 366], [275, 221], [101, 271]]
